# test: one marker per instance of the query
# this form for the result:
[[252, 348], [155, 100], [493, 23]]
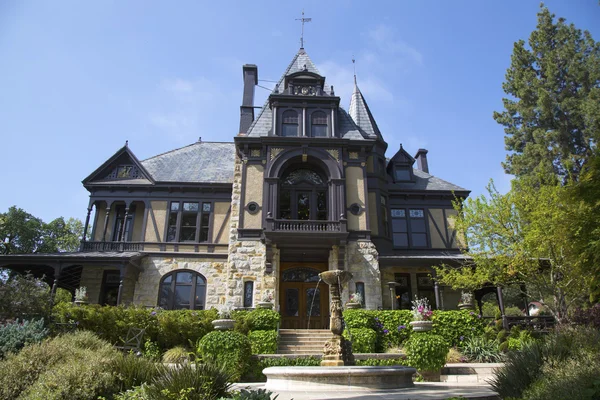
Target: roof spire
[[303, 20], [354, 66]]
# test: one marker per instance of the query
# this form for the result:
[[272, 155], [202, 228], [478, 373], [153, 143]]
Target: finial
[[200, 138], [354, 66], [332, 91], [303, 20], [127, 143], [276, 88]]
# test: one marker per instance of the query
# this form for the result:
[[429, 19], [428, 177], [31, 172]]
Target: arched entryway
[[304, 302]]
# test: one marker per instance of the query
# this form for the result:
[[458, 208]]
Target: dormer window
[[289, 127], [402, 173], [318, 124]]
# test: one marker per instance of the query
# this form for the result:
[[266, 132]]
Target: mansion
[[304, 187]]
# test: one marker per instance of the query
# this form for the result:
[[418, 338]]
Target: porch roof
[[72, 258]]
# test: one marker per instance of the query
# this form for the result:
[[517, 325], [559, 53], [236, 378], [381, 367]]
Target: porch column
[[525, 299], [121, 280], [57, 271], [501, 304], [87, 222], [436, 290], [122, 233], [108, 207]]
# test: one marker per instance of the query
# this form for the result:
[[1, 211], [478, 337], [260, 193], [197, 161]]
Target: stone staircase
[[468, 373], [302, 341]]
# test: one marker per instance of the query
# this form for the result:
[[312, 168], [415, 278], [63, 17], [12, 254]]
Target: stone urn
[[465, 306], [223, 324], [353, 306], [81, 302], [264, 304], [421, 326]]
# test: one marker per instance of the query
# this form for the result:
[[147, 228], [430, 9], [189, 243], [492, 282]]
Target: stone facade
[[362, 263]]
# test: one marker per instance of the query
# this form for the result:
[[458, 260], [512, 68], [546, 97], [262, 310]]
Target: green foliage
[[137, 393], [229, 349], [258, 394], [455, 326], [481, 350], [21, 232], [385, 362], [176, 355], [165, 328], [263, 342], [15, 335], [189, 382], [552, 117], [394, 326], [133, 371], [263, 319], [24, 297], [360, 318], [74, 366], [363, 339], [62, 296], [256, 366], [426, 352], [568, 356], [151, 350], [241, 321]]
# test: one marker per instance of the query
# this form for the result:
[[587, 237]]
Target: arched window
[[303, 195], [182, 289], [318, 124], [289, 126]]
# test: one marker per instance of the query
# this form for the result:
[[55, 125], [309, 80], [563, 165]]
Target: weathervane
[[303, 20], [354, 66]]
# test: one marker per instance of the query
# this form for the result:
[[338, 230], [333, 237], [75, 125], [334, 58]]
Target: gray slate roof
[[206, 162], [360, 113], [424, 181], [262, 125]]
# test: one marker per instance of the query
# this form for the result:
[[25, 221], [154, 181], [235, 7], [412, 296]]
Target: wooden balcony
[[295, 225], [112, 246], [307, 231]]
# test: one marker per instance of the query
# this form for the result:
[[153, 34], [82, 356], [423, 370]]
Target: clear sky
[[78, 78]]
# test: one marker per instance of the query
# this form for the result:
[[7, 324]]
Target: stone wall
[[361, 261]]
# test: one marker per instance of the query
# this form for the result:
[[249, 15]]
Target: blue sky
[[78, 78]]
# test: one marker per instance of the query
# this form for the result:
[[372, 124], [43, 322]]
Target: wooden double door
[[304, 301]]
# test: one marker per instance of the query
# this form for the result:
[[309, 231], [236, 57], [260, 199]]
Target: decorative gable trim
[[123, 165]]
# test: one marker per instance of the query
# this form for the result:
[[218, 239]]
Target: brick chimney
[[247, 109], [421, 158]]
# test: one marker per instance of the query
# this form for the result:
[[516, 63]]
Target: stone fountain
[[337, 371]]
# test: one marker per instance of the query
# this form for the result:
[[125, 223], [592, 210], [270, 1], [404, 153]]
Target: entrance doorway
[[303, 304]]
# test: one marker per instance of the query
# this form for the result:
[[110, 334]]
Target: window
[[360, 288], [303, 196], [182, 289], [248, 291], [120, 216], [188, 221], [384, 217], [318, 124], [402, 174], [403, 291], [289, 127], [425, 289], [411, 231]]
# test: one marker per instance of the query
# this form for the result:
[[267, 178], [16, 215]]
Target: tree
[[552, 118], [523, 236], [21, 232]]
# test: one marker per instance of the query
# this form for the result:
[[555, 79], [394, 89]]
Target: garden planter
[[80, 302], [431, 376], [421, 326], [353, 306], [264, 304], [465, 306], [223, 324]]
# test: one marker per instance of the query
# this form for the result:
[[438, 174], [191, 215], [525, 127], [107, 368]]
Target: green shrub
[[263, 342], [258, 394], [133, 371], [360, 318], [393, 327], [262, 319], [456, 326], [176, 355], [426, 352], [230, 349], [151, 350], [24, 297], [256, 366], [241, 321], [373, 362], [137, 393], [481, 350], [364, 340], [190, 382], [73, 366], [14, 336], [180, 327]]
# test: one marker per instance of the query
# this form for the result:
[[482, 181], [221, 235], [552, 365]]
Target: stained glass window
[[248, 289], [302, 175], [302, 274]]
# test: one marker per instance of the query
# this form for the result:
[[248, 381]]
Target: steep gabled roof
[[425, 181], [361, 114], [107, 172]]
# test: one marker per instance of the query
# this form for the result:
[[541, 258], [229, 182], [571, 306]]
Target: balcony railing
[[308, 226], [112, 246]]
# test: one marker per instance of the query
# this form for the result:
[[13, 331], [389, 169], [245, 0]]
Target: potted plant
[[224, 323], [421, 312], [267, 300], [355, 301], [81, 296], [466, 301]]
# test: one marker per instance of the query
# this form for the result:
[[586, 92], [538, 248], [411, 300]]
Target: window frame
[[283, 123], [200, 214], [173, 286], [116, 227], [313, 123], [409, 227]]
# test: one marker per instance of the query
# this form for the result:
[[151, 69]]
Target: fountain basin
[[329, 379], [335, 277]]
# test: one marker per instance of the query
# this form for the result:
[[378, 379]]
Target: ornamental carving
[[334, 153], [353, 155], [255, 153], [275, 152]]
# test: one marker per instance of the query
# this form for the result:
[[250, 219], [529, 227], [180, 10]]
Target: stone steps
[[302, 341], [468, 373]]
